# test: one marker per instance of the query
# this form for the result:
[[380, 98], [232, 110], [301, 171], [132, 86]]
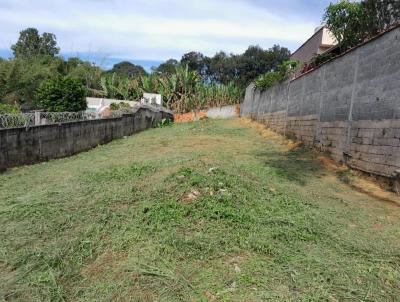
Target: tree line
[[37, 77], [224, 68]]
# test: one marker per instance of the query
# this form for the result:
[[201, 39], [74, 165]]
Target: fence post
[[37, 118]]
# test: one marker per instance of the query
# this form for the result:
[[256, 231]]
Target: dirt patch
[[189, 117], [191, 196], [372, 186], [105, 263], [367, 186], [237, 110], [266, 133], [329, 163], [237, 259]]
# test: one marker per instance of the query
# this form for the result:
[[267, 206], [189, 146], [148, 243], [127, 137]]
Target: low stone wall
[[223, 112], [349, 107], [22, 146]]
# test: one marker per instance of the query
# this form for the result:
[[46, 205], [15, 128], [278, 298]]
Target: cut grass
[[205, 211]]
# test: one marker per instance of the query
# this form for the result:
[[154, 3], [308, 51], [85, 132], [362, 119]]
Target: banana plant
[[182, 91]]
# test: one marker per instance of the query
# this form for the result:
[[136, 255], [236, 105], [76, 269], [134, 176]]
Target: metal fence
[[48, 118]]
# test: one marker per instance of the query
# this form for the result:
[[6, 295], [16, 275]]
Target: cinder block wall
[[349, 107], [22, 146]]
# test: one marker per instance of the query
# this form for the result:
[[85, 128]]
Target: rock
[[194, 194], [237, 268], [211, 170]]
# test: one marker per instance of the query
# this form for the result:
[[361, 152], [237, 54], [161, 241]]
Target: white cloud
[[151, 29]]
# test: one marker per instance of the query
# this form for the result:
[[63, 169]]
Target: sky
[[148, 32]]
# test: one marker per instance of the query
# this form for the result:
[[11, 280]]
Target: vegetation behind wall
[[194, 82]]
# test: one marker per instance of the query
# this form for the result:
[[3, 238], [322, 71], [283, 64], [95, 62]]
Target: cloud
[[160, 29]]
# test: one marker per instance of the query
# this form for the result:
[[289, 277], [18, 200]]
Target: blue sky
[[150, 31]]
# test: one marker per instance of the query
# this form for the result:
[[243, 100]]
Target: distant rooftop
[[321, 41]]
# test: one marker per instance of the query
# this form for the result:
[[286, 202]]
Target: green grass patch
[[205, 211]]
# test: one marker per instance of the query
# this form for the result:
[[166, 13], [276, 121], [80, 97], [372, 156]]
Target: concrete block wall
[[349, 107], [275, 121], [223, 112], [302, 128], [22, 146]]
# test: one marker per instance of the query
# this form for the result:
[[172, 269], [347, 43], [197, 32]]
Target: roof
[[316, 32]]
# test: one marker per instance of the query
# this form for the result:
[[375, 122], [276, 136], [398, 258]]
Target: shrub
[[8, 109], [120, 106], [164, 123], [268, 80], [114, 106], [322, 58], [62, 94], [285, 70]]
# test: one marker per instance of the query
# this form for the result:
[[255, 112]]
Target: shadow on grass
[[296, 165]]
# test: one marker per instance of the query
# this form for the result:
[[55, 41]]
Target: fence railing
[[48, 118]]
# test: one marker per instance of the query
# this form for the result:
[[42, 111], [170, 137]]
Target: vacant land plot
[[206, 211]]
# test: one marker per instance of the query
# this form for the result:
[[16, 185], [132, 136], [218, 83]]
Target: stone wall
[[21, 146], [349, 107], [224, 112]]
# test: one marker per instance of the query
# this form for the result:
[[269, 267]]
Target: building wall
[[320, 42], [349, 107], [224, 112], [308, 50], [97, 103], [22, 146], [328, 38]]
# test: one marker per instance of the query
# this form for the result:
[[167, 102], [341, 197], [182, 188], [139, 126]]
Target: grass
[[205, 211]]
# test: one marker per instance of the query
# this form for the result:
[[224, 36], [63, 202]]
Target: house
[[320, 42]]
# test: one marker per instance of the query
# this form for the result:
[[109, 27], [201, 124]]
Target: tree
[[347, 22], [62, 94], [222, 68], [353, 22], [243, 69], [21, 79], [167, 68], [128, 69], [48, 45], [196, 61], [30, 44], [256, 61], [87, 72], [381, 14]]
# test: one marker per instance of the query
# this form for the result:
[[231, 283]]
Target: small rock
[[211, 170], [237, 268], [193, 195]]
